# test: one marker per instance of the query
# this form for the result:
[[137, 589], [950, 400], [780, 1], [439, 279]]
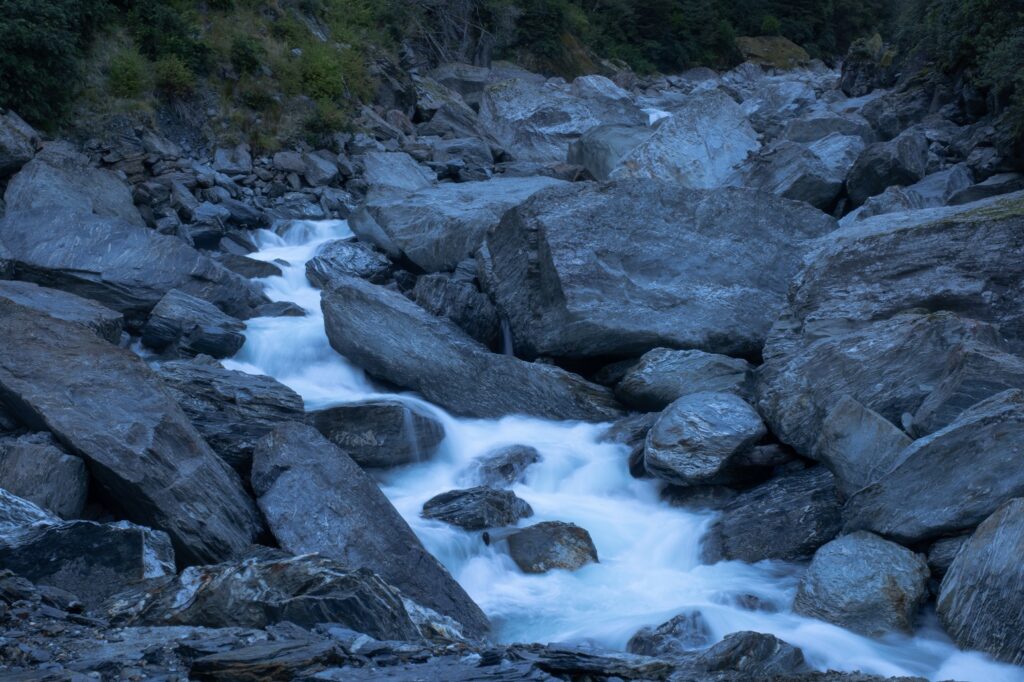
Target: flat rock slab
[[108, 324], [35, 468]]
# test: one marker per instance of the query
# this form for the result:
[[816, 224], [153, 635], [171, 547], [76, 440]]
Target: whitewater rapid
[[649, 568]]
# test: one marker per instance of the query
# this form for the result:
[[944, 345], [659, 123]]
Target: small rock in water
[[757, 656], [342, 257], [683, 634], [505, 466], [550, 545], [381, 433], [662, 376], [477, 508]]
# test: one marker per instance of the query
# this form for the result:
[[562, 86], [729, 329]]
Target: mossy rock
[[773, 51]]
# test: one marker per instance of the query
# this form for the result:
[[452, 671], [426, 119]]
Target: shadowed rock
[[107, 323], [191, 326], [33, 467], [381, 433], [662, 376], [477, 508]]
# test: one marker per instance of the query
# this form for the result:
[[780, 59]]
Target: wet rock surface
[[551, 545], [383, 433], [477, 508]]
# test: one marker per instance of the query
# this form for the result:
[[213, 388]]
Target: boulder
[[981, 604], [551, 545], [675, 638], [18, 514], [659, 265], [184, 324], [462, 303], [820, 126], [348, 258], [813, 172], [440, 226], [753, 655], [902, 161], [124, 267], [231, 410], [316, 499], [477, 508], [284, 659], [858, 445], [503, 467], [896, 111], [942, 553], [60, 178], [233, 161], [247, 267], [394, 339], [663, 375], [304, 590], [395, 173], [602, 149], [381, 433], [35, 468], [142, 452], [864, 583], [950, 481], [107, 324], [696, 437], [1003, 183], [17, 143], [698, 146], [787, 518]]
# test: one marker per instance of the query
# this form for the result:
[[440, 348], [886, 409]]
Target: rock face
[[477, 508], [396, 340], [231, 410], [437, 227], [659, 265], [696, 437], [462, 303], [662, 376], [395, 173], [865, 584], [683, 634], [33, 467], [105, 322], [351, 259], [980, 602], [951, 480], [551, 545], [602, 149], [141, 450], [191, 326], [17, 513], [752, 654], [505, 466], [813, 172], [304, 590], [316, 499], [124, 267], [902, 161], [381, 433], [17, 143], [787, 518]]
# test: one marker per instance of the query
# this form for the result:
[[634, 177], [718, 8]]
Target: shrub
[[325, 120], [128, 74], [247, 55], [168, 29], [173, 78], [321, 72]]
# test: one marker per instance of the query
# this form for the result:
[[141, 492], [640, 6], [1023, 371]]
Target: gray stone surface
[[350, 258], [107, 323], [679, 636], [462, 303], [504, 466], [381, 433], [186, 325], [601, 149], [35, 468], [902, 161], [551, 545], [17, 143], [477, 508], [395, 173], [663, 375], [813, 172]]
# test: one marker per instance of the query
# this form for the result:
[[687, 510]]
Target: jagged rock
[[935, 189], [817, 127], [1003, 183], [395, 173], [599, 87], [787, 518], [316, 499], [354, 259], [950, 481], [17, 514], [864, 583], [477, 508], [697, 436], [813, 172], [105, 322], [551, 545], [675, 638], [396, 340], [896, 111], [943, 552], [124, 267], [234, 161], [662, 376], [862, 69], [902, 161], [751, 654], [17, 143], [304, 590], [461, 303], [231, 410], [602, 149], [320, 171], [59, 177], [247, 267], [574, 663], [659, 265], [280, 660], [505, 466], [141, 450], [440, 226], [381, 433], [280, 309], [980, 604], [858, 445], [184, 324], [35, 468]]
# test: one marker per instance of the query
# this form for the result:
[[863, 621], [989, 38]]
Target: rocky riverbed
[[713, 376]]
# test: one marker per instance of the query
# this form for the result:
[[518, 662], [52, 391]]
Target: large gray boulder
[[950, 481], [59, 177], [477, 508], [551, 545], [125, 267], [35, 468], [697, 437], [105, 405], [186, 325], [902, 161], [813, 172], [658, 265], [981, 604], [17, 143], [107, 323], [663, 375], [462, 303], [674, 638], [437, 227], [602, 149], [349, 258], [395, 173], [316, 499], [394, 339], [864, 583], [747, 655], [381, 433]]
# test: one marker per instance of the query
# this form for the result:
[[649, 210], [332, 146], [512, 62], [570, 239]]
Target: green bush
[[173, 78], [247, 55], [168, 29], [128, 74], [327, 118]]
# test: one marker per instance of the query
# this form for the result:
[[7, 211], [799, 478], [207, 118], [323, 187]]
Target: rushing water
[[649, 568]]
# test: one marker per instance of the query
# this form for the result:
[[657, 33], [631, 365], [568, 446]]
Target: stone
[[231, 410], [247, 267], [864, 583], [663, 375], [106, 323], [381, 433], [950, 481], [942, 553], [233, 161], [602, 149], [350, 258], [124, 267], [316, 499], [753, 655], [551, 545], [659, 266], [787, 518], [184, 324], [477, 508], [772, 51], [820, 126], [697, 436], [280, 660], [461, 303], [678, 637], [899, 109], [902, 161], [17, 143], [813, 172], [503, 467], [35, 468], [395, 173], [319, 170], [1002, 183], [304, 590], [440, 226], [858, 445], [394, 339], [141, 450], [18, 514]]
